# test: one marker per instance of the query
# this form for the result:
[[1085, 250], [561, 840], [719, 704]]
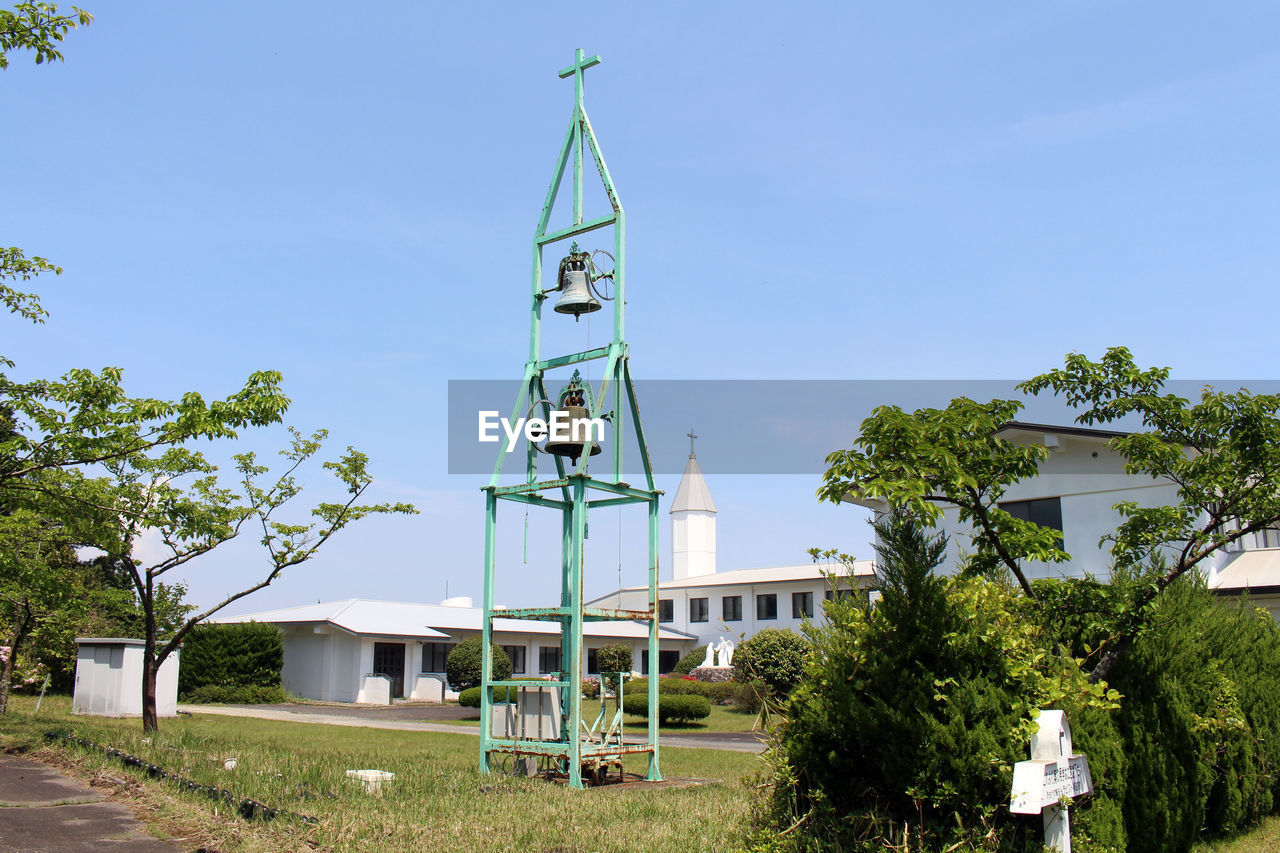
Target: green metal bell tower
[[578, 742]]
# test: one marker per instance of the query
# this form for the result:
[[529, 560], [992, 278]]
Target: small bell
[[575, 288]]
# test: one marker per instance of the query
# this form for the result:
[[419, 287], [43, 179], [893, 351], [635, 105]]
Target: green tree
[[177, 494], [39, 28], [1222, 452]]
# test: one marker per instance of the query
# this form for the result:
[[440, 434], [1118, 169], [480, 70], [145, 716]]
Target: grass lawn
[[437, 800], [1264, 839]]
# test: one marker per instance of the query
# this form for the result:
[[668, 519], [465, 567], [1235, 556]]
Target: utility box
[[109, 679], [535, 715]]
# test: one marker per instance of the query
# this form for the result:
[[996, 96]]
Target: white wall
[[1090, 480], [715, 627]]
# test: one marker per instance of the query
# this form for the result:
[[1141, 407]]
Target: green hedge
[[717, 693], [1200, 721], [211, 694], [247, 654], [672, 707], [470, 698]]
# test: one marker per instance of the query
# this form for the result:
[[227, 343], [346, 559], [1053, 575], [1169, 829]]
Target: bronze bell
[[573, 431]]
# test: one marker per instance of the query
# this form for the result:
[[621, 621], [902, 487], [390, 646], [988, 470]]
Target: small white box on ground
[[372, 780]]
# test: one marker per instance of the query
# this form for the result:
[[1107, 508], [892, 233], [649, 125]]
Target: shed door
[[388, 659]]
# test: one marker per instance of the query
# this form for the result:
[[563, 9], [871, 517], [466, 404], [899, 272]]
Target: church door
[[388, 660]]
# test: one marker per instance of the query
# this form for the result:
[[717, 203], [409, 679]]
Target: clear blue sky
[[346, 193]]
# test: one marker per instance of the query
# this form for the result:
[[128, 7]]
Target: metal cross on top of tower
[[692, 435], [581, 62]]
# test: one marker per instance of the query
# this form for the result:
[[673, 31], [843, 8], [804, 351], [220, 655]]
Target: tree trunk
[[20, 631], [1110, 658], [150, 720]]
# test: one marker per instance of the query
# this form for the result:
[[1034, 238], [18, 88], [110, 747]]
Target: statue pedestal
[[713, 673]]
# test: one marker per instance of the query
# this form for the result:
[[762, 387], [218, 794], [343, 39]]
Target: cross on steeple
[[581, 62], [692, 435]]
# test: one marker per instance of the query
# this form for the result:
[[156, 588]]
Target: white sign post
[[1054, 772]]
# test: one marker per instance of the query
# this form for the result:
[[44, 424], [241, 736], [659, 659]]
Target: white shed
[[109, 679]]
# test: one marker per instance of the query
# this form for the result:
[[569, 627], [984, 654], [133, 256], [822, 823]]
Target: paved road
[[43, 810], [427, 718]]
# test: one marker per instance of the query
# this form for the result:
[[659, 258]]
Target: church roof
[[431, 621], [770, 574], [693, 493]]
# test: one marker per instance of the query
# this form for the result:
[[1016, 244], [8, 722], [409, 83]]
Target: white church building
[[358, 650], [709, 604]]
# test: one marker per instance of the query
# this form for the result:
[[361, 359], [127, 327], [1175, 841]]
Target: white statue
[[711, 656], [726, 652]]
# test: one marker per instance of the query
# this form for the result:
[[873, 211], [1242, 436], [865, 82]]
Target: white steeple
[[693, 523]]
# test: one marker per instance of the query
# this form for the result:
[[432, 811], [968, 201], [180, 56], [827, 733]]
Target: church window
[[698, 610], [548, 659], [767, 606], [593, 661], [1046, 512], [666, 611], [516, 654], [434, 656], [731, 608], [802, 605], [667, 660]]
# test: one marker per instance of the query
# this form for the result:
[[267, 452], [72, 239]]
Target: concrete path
[[409, 718], [43, 810]]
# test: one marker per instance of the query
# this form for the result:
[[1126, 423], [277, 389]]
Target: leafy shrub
[[690, 661], [672, 707], [248, 694], [590, 688], [775, 656], [1202, 698], [463, 665], [911, 713], [748, 697], [246, 654]]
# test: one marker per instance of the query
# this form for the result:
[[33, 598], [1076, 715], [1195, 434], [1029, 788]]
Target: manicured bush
[[615, 657], [690, 661], [775, 656], [247, 654], [666, 686], [211, 694], [463, 665], [672, 707], [590, 688]]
